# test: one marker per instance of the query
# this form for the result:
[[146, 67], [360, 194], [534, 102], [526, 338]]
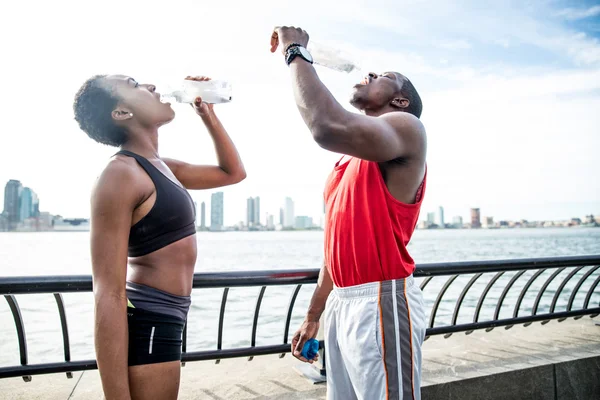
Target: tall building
[[253, 211], [36, 205], [203, 215], [26, 207], [288, 215], [441, 217], [475, 218], [12, 194], [281, 219], [216, 211], [257, 210], [249, 211]]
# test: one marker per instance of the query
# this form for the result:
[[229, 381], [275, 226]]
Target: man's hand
[[308, 330], [202, 109], [287, 35]]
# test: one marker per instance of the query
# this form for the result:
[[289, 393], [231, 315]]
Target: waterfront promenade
[[559, 360]]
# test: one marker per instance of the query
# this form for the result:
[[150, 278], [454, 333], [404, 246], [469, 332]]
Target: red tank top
[[366, 228]]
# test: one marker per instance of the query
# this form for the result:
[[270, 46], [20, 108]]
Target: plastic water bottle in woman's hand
[[211, 92], [310, 349]]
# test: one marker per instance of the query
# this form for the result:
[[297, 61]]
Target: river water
[[65, 253]]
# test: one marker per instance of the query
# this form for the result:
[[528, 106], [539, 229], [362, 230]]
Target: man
[[374, 320]]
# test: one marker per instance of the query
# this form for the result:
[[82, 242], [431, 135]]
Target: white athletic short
[[373, 338]]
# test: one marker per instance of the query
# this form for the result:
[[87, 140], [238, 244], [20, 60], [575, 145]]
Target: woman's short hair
[[93, 107]]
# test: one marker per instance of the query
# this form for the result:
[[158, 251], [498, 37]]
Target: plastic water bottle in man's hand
[[310, 349]]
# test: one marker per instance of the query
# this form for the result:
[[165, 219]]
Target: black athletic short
[[153, 337]]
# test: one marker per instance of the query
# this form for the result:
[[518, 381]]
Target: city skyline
[[23, 203], [22, 214], [509, 108]]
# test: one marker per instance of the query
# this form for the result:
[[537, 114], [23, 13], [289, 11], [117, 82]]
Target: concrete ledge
[[578, 380], [571, 380]]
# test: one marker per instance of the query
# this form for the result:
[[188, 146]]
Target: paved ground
[[445, 360]]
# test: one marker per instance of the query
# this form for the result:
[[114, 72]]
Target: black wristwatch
[[294, 50]]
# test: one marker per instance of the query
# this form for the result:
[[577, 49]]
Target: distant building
[[45, 221], [457, 222], [431, 218], [203, 215], [3, 223], [576, 221], [441, 217], [303, 222], [270, 222], [36, 205], [12, 195], [72, 224], [281, 216], [488, 222], [253, 211], [26, 204], [257, 210], [422, 225], [216, 211], [475, 218], [288, 215]]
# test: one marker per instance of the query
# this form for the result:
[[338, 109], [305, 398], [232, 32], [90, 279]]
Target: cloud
[[503, 42], [454, 44], [454, 52], [573, 14]]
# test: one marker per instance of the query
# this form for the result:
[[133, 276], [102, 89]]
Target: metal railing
[[497, 281]]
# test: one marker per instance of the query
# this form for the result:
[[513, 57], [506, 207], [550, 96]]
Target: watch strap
[[292, 52]]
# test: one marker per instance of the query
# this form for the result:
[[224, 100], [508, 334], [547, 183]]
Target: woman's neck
[[143, 143]]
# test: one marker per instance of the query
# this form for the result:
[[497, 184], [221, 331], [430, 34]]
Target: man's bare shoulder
[[405, 123], [411, 131]]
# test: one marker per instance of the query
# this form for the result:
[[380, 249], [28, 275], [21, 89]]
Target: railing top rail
[[470, 267], [83, 283]]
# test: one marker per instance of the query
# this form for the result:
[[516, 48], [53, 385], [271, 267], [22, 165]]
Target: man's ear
[[400, 103]]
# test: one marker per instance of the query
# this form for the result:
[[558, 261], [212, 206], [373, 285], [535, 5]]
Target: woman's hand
[[202, 109]]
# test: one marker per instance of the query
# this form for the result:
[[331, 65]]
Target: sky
[[511, 94]]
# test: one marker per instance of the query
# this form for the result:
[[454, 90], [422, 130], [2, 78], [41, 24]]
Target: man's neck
[[377, 112]]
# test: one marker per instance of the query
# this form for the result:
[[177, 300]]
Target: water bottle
[[331, 58], [211, 92]]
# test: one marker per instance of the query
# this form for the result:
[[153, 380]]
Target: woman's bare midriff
[[170, 269]]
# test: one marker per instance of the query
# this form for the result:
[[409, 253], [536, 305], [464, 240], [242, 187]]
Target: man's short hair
[[415, 106]]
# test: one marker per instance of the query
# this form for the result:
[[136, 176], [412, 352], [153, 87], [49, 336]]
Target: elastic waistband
[[374, 288], [151, 299]]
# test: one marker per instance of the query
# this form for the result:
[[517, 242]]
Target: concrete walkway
[[489, 357]]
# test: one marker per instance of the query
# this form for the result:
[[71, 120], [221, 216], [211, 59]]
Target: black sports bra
[[172, 217]]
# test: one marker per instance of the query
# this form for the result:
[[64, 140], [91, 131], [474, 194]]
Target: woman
[[143, 216]]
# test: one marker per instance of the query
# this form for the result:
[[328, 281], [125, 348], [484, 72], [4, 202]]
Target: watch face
[[305, 54]]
